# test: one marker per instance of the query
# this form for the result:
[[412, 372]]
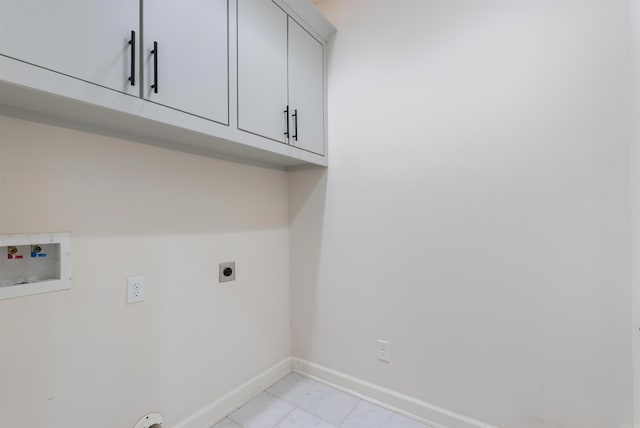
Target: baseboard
[[387, 398], [219, 409], [392, 400]]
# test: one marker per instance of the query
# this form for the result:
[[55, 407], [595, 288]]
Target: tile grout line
[[340, 423], [295, 406], [369, 400], [277, 398], [360, 400], [285, 416], [282, 399], [319, 416]]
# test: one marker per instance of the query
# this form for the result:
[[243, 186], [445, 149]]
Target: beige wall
[[476, 210], [635, 202], [84, 357], [475, 214]]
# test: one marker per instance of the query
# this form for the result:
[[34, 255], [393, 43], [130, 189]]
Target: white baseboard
[[392, 400], [387, 398], [219, 409]]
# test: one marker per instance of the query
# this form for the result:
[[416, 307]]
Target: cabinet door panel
[[83, 39], [262, 68], [192, 37], [306, 88]]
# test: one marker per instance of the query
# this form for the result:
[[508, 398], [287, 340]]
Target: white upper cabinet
[[88, 40], [306, 90], [262, 69], [159, 72], [280, 77], [185, 56]]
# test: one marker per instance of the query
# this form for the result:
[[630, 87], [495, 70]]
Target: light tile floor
[[298, 402]]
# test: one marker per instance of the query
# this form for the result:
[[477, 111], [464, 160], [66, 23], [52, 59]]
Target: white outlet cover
[[383, 351], [135, 289]]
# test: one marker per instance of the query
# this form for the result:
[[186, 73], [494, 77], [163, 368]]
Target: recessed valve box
[[35, 263]]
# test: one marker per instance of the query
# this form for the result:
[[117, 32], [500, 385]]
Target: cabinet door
[[306, 89], [88, 40], [191, 72], [262, 68]]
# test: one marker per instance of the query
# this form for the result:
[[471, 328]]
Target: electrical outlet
[[227, 272], [135, 289], [383, 350]]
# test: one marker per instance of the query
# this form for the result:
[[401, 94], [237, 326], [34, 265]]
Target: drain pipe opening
[[152, 420]]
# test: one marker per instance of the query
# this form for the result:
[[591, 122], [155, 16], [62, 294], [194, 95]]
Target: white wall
[[635, 202], [476, 209], [84, 358]]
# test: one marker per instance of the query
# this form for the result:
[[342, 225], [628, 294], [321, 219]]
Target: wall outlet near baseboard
[[135, 289], [383, 350]]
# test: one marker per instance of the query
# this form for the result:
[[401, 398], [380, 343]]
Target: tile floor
[[298, 402]]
